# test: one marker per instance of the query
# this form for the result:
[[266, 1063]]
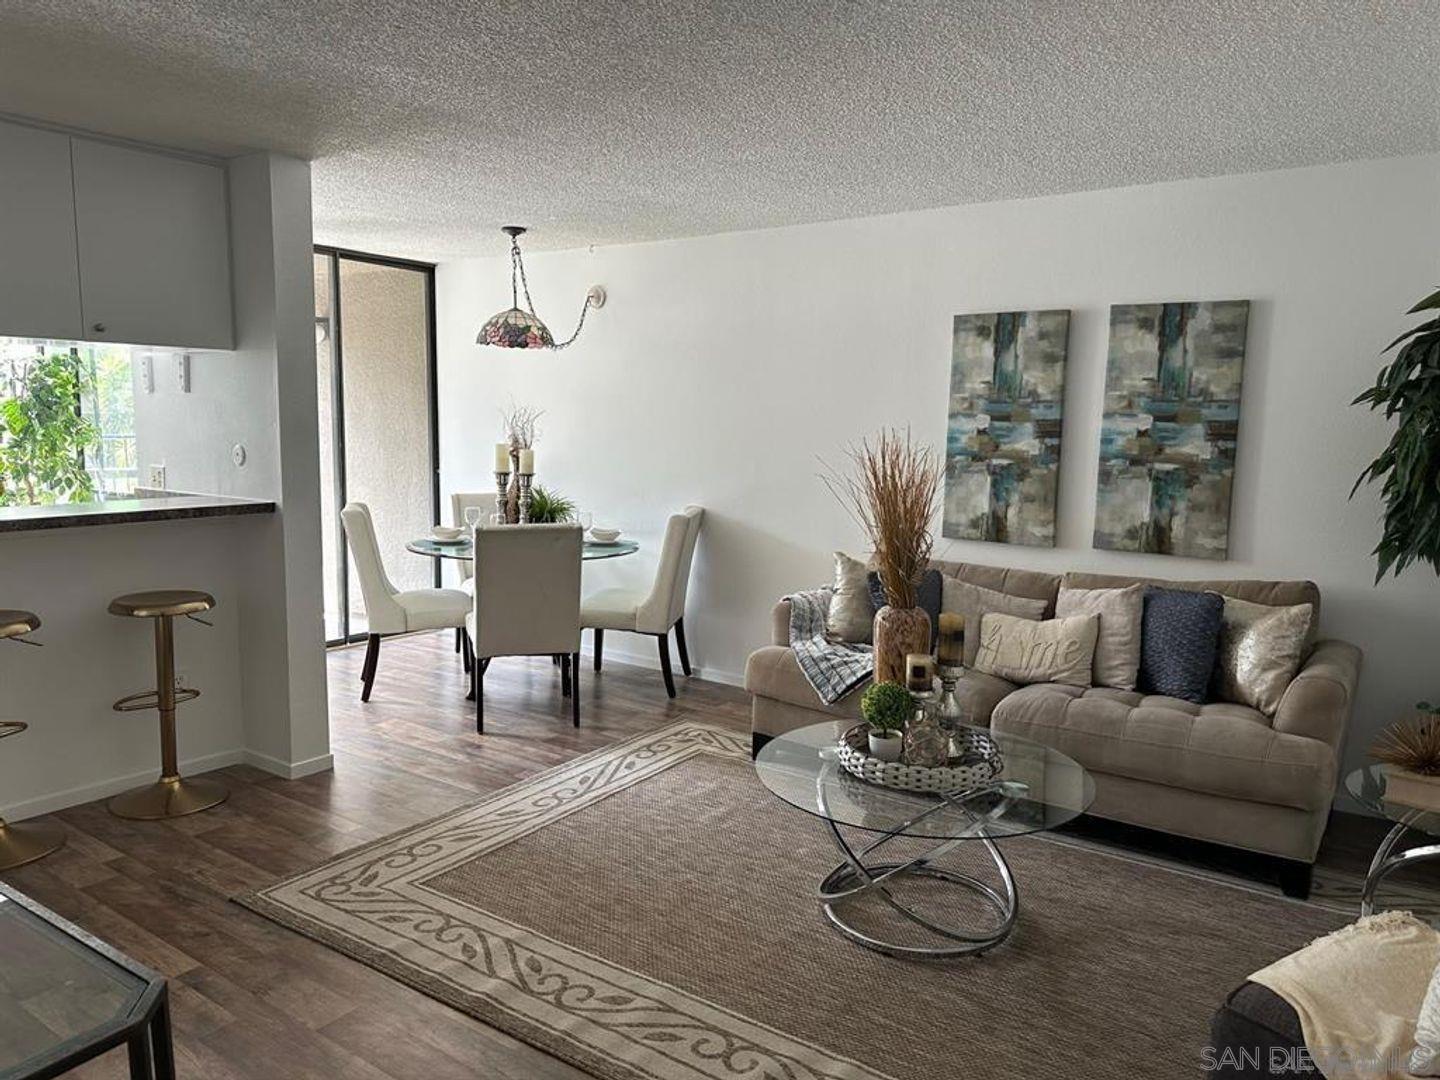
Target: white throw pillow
[[851, 617], [1025, 651], [1121, 611], [1425, 1058]]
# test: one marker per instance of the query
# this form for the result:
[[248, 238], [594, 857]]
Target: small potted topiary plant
[[1410, 752], [886, 706]]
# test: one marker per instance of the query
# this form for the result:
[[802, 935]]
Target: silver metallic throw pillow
[[1261, 648], [852, 616]]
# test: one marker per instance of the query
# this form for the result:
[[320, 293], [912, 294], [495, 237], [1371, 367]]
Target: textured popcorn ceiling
[[432, 123]]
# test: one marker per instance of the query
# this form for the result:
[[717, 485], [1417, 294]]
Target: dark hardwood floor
[[252, 1000]]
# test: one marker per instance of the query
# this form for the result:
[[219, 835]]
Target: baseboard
[[103, 789], [288, 770], [650, 658]]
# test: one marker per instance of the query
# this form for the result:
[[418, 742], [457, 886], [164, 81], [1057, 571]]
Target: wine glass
[[472, 517], [586, 519]]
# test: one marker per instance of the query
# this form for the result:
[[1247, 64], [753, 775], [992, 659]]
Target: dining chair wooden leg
[[479, 678], [467, 659], [575, 689], [599, 646], [372, 661], [680, 644], [664, 640], [459, 641], [564, 674]]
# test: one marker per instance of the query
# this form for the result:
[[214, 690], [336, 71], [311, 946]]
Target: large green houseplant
[[1408, 469], [43, 437]]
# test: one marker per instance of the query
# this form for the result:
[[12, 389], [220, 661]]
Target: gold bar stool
[[27, 841], [172, 795]]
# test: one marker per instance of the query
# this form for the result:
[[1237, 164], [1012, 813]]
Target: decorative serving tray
[[980, 763]]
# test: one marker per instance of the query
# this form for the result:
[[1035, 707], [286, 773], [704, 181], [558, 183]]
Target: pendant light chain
[[578, 326], [507, 329]]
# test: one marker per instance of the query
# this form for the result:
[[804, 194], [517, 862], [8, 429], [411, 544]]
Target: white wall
[[261, 669], [725, 368]]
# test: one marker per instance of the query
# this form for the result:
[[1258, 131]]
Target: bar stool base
[[25, 842], [169, 798]]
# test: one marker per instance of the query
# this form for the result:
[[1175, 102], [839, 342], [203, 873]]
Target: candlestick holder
[[502, 495], [950, 712], [524, 480]]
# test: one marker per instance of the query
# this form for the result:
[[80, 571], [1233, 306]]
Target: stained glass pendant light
[[521, 328]]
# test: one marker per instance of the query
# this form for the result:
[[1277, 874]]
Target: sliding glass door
[[375, 360]]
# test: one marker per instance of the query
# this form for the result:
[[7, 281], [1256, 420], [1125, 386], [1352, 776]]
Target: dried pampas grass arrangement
[[1411, 744], [892, 495]]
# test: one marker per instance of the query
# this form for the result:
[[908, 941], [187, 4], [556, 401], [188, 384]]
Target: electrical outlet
[[157, 477]]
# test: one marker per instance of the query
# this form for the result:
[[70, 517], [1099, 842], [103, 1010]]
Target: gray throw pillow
[[1117, 652], [851, 617], [974, 602]]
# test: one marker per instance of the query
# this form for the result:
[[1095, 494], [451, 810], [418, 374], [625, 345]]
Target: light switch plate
[[147, 374], [157, 477], [182, 372]]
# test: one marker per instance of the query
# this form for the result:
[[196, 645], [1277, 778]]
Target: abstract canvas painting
[[1002, 450], [1172, 414]]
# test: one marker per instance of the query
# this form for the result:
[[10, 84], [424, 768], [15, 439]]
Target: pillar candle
[[502, 457], [950, 649], [527, 461], [919, 673]]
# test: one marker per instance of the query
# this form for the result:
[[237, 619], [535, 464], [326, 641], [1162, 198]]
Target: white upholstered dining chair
[[659, 610], [389, 610], [527, 603]]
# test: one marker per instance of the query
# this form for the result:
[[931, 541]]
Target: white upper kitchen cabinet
[[154, 243], [39, 278]]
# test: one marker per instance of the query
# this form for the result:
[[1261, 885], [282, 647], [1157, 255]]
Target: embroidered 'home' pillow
[[1027, 651]]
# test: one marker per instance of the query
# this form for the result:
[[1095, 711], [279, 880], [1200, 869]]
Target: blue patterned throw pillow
[[927, 596], [1179, 634]]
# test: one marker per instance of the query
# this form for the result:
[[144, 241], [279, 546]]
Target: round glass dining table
[[465, 549]]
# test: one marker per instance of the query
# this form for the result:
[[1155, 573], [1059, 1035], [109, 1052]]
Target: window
[[67, 421]]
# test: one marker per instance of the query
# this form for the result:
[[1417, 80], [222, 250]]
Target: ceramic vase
[[898, 632], [1411, 789]]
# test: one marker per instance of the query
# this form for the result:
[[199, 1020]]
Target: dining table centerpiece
[[892, 495]]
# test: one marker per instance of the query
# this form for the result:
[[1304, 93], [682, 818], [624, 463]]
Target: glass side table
[[1367, 787], [66, 997]]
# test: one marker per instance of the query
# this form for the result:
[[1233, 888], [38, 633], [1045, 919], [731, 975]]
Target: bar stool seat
[[172, 795], [27, 841], [162, 602], [15, 623]]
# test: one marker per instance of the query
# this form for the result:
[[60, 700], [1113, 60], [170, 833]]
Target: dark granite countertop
[[126, 511]]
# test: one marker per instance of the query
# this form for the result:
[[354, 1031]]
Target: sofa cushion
[[852, 615], [1179, 634], [1260, 650], [1117, 650], [1220, 748], [1027, 651], [773, 672], [1030, 584]]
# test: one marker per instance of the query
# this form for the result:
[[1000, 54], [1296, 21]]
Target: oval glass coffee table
[[1367, 787], [1038, 789]]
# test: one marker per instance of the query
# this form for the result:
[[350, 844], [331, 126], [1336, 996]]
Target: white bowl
[[605, 536], [446, 532]]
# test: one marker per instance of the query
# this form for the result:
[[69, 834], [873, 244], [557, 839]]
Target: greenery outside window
[[67, 421]]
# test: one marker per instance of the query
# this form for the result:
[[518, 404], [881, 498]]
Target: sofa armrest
[[1317, 703], [780, 623]]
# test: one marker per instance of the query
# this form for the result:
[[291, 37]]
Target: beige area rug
[[648, 911]]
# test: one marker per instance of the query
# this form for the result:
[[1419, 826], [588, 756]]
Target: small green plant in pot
[[886, 706]]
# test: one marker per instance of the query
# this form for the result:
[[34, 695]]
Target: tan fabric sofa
[[1218, 772]]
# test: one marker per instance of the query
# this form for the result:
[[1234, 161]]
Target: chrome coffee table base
[[855, 877], [1384, 862]]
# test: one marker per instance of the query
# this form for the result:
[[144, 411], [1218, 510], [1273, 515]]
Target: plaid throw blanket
[[833, 668]]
